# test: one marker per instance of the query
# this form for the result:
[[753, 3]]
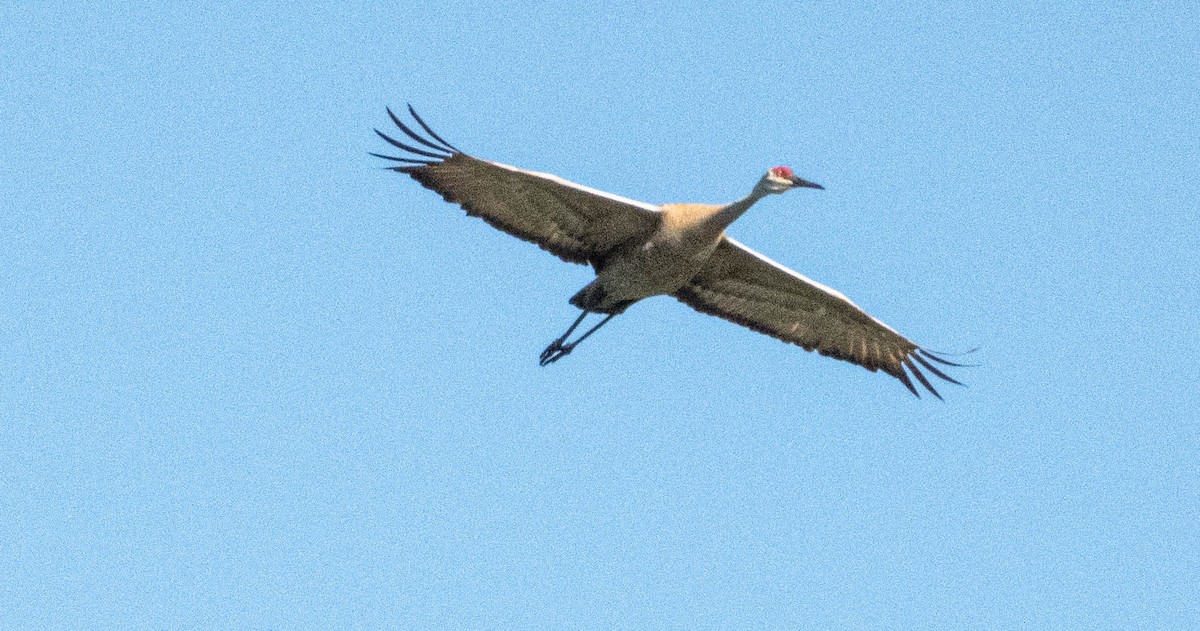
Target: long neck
[[730, 213]]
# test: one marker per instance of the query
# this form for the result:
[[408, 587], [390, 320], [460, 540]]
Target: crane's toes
[[556, 351]]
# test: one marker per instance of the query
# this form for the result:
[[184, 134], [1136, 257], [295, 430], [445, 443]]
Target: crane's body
[[639, 250], [658, 265]]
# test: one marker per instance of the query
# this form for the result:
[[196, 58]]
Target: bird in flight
[[639, 250]]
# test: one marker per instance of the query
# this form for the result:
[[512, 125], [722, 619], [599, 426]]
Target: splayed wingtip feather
[[920, 377], [430, 131], [934, 369]]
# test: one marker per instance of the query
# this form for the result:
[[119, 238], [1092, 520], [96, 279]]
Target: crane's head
[[780, 179]]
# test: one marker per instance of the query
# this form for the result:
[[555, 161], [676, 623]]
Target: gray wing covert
[[574, 222]]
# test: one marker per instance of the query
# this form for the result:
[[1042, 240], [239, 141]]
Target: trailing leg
[[560, 348]]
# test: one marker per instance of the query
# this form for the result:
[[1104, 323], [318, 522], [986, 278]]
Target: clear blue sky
[[248, 380]]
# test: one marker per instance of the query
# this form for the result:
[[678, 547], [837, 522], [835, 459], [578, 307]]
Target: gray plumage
[[640, 250]]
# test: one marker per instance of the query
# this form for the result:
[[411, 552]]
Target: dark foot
[[556, 351]]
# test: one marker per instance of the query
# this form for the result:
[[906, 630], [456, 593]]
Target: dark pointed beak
[[799, 182]]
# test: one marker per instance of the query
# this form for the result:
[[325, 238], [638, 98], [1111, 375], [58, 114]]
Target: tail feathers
[[594, 298]]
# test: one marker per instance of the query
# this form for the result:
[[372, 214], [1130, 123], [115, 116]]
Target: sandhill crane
[[640, 250]]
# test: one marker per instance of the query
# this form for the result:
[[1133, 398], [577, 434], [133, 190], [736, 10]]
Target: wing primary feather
[[907, 382], [917, 373], [946, 361], [411, 134], [430, 131], [934, 370], [408, 160], [400, 145]]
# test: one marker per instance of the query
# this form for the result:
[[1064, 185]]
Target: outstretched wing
[[574, 222], [745, 287]]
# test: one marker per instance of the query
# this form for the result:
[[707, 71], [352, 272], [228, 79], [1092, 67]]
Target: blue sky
[[252, 381]]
